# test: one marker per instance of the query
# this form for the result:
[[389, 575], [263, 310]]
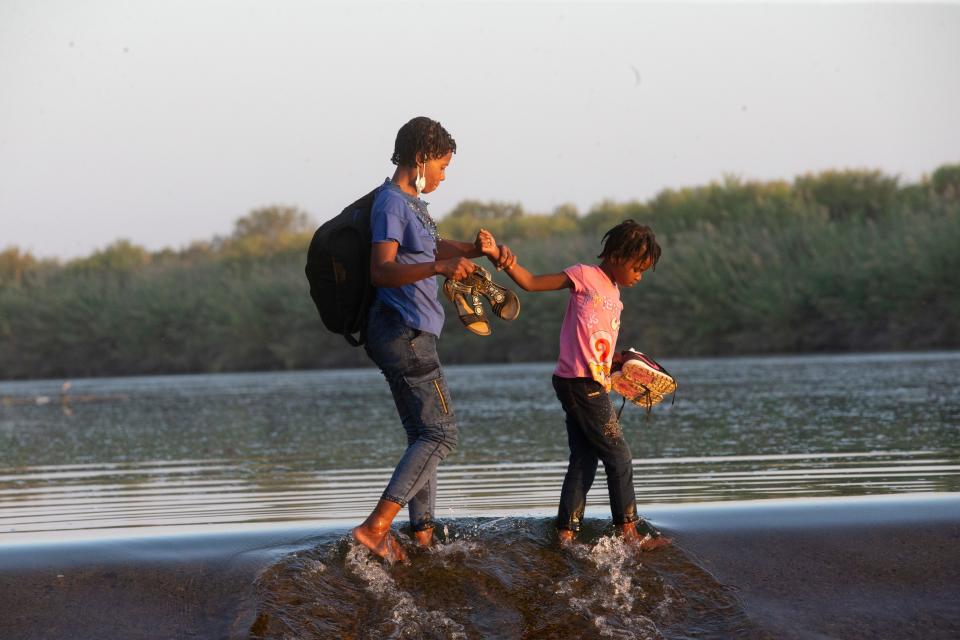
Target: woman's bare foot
[[424, 538], [375, 534], [382, 543], [566, 536]]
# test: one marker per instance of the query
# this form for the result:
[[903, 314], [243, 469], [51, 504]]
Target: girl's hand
[[505, 260], [617, 362], [487, 245], [455, 268]]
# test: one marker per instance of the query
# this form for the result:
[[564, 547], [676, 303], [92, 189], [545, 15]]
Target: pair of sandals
[[642, 380], [467, 296]]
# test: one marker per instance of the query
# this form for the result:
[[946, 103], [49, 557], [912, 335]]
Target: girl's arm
[[385, 271], [546, 282]]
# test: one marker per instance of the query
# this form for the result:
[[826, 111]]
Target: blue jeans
[[408, 359], [593, 432]]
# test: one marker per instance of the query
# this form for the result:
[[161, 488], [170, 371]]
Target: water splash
[[503, 577], [405, 619]]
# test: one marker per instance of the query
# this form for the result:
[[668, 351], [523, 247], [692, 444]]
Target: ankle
[[424, 538]]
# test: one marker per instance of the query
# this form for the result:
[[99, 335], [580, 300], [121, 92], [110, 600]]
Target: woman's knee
[[445, 436], [451, 437]]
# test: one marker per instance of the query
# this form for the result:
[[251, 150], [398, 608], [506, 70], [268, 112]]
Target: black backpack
[[338, 269]]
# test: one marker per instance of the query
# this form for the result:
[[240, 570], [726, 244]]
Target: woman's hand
[[455, 268]]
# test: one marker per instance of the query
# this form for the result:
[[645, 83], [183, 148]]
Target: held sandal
[[471, 315], [503, 301]]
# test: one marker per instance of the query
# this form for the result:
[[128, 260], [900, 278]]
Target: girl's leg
[[607, 439], [589, 405], [581, 468]]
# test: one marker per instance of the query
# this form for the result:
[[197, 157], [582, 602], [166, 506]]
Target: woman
[[405, 322]]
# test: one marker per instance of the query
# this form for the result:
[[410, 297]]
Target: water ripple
[[221, 492]]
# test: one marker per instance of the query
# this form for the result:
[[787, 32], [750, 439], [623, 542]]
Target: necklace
[[424, 216]]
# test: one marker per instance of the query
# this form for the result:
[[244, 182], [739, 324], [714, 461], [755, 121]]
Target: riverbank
[[809, 568]]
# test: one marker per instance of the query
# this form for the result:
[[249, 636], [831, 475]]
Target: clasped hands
[[500, 255], [460, 267]]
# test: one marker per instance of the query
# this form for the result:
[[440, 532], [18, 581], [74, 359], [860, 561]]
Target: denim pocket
[[423, 345], [598, 411], [428, 397]]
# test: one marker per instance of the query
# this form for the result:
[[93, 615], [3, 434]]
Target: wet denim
[[408, 360], [594, 434]]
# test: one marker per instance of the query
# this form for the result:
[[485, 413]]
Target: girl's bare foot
[[646, 541], [649, 543]]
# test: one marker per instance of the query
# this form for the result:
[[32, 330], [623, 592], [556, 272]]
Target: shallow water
[[319, 446]]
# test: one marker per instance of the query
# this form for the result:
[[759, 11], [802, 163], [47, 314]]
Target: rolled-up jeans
[[408, 359], [593, 432]]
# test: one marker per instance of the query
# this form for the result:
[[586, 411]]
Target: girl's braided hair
[[631, 241], [421, 139]]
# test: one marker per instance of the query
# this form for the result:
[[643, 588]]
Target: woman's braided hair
[[631, 241], [421, 139]]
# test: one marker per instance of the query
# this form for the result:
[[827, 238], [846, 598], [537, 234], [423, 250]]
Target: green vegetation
[[838, 261]]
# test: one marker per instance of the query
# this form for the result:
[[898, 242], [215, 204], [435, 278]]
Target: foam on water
[[408, 620], [611, 606]]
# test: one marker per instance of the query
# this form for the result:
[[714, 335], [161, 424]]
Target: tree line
[[848, 260]]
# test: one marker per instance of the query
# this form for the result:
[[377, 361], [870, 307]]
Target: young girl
[[588, 340], [405, 321]]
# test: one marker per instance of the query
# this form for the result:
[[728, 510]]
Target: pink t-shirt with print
[[591, 325]]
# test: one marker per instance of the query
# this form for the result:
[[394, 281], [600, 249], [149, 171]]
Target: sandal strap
[[460, 287], [470, 318], [482, 273]]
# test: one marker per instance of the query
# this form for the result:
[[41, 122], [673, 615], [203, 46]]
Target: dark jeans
[[593, 433], [408, 359]]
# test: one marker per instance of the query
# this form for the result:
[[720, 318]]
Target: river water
[[160, 456]]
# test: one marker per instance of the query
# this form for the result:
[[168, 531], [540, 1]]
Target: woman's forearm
[[394, 274], [457, 249]]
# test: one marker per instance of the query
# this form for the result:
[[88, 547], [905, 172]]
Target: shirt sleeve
[[385, 224], [575, 273], [390, 221]]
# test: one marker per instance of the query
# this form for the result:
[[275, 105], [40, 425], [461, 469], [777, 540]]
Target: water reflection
[[241, 448]]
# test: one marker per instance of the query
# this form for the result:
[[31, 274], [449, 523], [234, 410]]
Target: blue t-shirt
[[394, 218]]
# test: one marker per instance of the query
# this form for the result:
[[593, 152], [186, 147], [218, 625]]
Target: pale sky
[[162, 122]]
